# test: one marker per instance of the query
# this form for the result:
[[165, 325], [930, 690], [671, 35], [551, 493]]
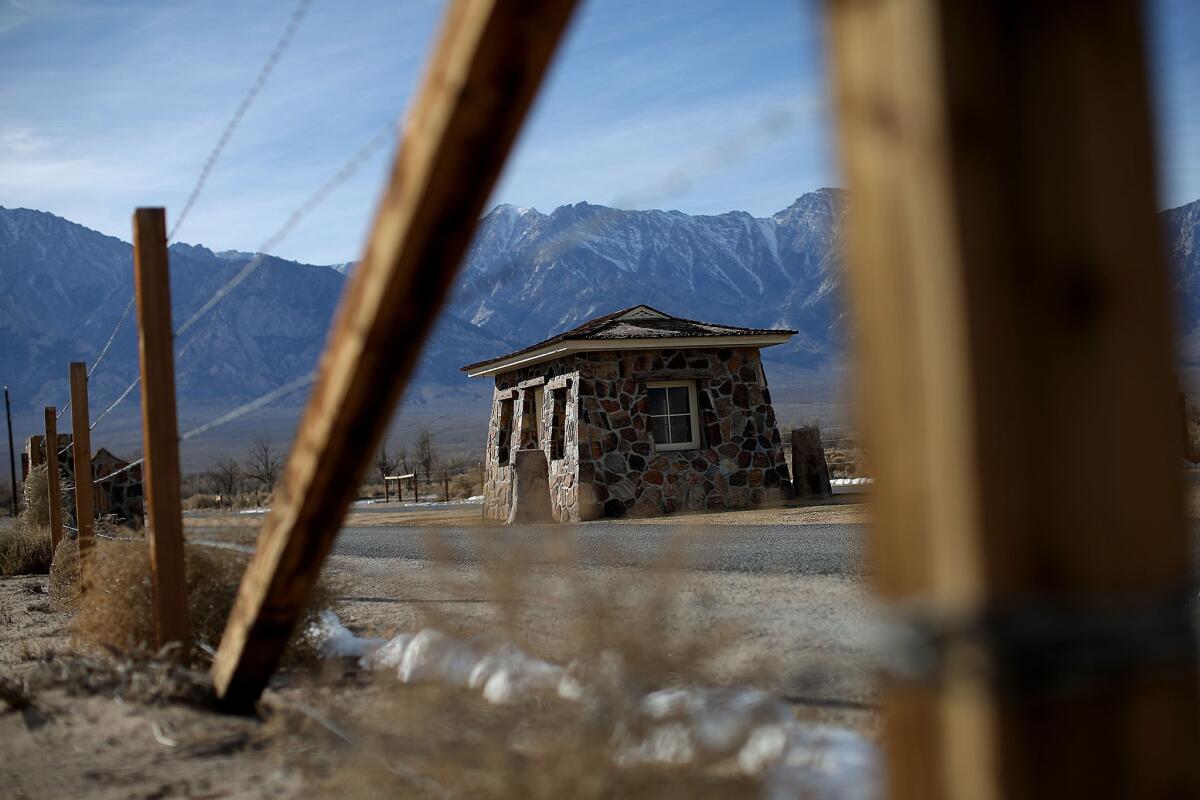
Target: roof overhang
[[558, 349]]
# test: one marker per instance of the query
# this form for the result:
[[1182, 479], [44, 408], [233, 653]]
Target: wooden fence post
[[160, 429], [810, 471], [12, 454], [81, 452], [53, 495], [482, 78], [1012, 319], [445, 486]]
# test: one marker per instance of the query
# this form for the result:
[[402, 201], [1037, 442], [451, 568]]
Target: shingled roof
[[622, 329]]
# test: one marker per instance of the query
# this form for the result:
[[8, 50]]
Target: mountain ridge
[[526, 276]]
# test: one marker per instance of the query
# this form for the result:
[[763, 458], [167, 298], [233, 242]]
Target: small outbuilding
[[638, 413]]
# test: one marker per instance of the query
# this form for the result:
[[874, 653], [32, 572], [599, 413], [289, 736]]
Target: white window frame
[[694, 413]]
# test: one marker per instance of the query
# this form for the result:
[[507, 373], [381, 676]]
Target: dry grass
[[25, 544], [623, 636], [24, 550], [116, 608], [198, 502], [64, 575]]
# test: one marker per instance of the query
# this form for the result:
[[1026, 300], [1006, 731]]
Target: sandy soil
[[102, 726]]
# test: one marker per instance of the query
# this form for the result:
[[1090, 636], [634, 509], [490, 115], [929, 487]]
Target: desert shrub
[[64, 575], [198, 502], [25, 545], [24, 549], [35, 505], [117, 608]]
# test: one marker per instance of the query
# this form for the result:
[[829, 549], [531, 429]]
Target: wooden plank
[[484, 73], [81, 451], [160, 429], [1011, 312], [53, 493]]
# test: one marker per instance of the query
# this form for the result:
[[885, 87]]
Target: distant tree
[[427, 456], [401, 456], [385, 464], [264, 463], [226, 476]]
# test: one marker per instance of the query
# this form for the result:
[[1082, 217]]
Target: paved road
[[782, 549]]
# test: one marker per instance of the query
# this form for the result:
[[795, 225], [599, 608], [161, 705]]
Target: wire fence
[[248, 98]]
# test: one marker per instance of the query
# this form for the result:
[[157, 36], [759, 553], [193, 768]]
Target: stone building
[[117, 487], [638, 413]]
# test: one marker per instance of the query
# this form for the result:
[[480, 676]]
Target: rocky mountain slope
[[527, 276]]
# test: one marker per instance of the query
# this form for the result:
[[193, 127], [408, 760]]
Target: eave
[[600, 345]]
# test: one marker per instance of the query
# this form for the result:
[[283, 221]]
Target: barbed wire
[[766, 128], [255, 89], [344, 173], [347, 170], [241, 411], [125, 468], [260, 81]]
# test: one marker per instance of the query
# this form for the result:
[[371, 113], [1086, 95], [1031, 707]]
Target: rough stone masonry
[[591, 413]]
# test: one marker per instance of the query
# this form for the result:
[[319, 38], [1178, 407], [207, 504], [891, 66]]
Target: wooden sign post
[[53, 496], [81, 451], [484, 73], [160, 430], [1011, 303]]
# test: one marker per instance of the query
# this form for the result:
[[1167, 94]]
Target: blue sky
[[698, 105]]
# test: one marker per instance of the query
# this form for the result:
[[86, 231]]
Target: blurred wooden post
[[36, 457], [53, 495], [160, 428], [81, 452], [445, 486], [484, 73], [12, 454], [810, 471], [1012, 322]]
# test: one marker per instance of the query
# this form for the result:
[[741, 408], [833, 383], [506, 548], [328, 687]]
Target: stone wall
[[739, 464], [518, 386], [609, 465]]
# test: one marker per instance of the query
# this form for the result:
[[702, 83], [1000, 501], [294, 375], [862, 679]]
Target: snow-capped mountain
[[527, 276]]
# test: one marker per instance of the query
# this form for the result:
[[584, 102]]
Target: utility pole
[[12, 458]]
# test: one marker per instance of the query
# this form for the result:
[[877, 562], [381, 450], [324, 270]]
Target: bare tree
[[427, 456], [264, 463], [226, 476], [385, 465], [401, 456]]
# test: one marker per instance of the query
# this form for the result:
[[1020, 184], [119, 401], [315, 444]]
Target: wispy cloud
[[700, 105]]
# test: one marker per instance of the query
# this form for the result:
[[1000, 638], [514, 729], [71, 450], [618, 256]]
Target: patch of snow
[[335, 639], [434, 657], [680, 726], [850, 485]]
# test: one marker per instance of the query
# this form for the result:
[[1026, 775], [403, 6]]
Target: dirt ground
[[76, 722]]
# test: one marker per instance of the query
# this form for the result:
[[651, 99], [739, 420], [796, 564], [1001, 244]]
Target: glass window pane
[[658, 400], [678, 397], [681, 428], [658, 429]]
